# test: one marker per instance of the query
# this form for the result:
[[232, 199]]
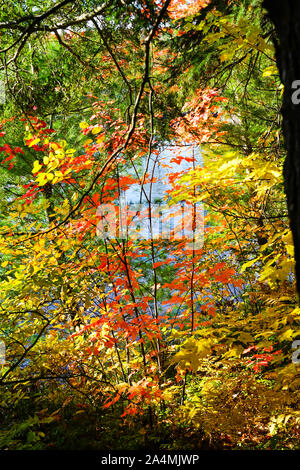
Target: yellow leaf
[[96, 130], [248, 264], [272, 70], [36, 166], [235, 351], [54, 146], [34, 142], [245, 337], [288, 335], [42, 179]]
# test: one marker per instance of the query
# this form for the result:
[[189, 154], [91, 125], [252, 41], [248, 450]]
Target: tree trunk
[[285, 15]]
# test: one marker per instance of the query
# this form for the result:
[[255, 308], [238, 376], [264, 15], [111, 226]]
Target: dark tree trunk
[[285, 15]]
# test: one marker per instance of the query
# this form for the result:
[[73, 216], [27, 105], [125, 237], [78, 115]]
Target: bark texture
[[285, 15]]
